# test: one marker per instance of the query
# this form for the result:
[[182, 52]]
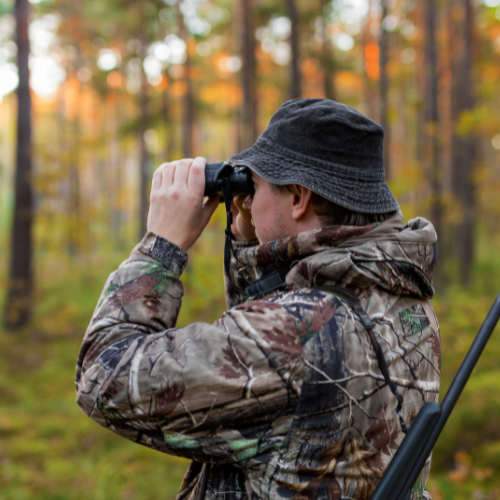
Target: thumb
[[209, 207]]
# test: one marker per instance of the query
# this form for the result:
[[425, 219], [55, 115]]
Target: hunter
[[301, 390]]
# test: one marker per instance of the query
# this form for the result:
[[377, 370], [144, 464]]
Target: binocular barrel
[[240, 179]]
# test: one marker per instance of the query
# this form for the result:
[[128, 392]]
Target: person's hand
[[242, 228], [177, 211]]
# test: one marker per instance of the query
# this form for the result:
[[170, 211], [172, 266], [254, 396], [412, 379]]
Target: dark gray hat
[[327, 147]]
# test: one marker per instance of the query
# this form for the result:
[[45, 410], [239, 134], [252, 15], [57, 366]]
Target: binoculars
[[217, 174]]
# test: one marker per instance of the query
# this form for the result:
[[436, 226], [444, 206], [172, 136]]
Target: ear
[[301, 200]]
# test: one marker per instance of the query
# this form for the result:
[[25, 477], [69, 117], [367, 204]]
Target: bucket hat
[[327, 147]]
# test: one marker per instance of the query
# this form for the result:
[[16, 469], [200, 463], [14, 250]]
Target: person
[[284, 396]]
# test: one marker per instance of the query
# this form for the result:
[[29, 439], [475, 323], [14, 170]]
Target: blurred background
[[95, 95]]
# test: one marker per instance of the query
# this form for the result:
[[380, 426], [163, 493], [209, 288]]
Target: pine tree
[[19, 295]]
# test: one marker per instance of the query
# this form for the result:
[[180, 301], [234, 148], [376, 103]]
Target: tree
[[431, 113], [295, 77], [19, 295], [327, 60], [248, 77], [188, 104], [463, 145], [384, 87], [144, 117]]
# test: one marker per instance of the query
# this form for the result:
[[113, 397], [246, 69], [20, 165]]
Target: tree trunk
[[463, 146], [327, 60], [19, 295], [74, 203], [295, 89], [144, 154], [74, 182], [165, 115], [188, 111], [371, 67], [116, 165], [432, 145], [188, 105], [421, 68], [248, 76], [384, 88]]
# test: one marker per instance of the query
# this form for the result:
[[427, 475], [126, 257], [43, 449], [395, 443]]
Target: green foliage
[[6, 7], [50, 449]]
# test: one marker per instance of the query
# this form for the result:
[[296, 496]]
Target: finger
[[159, 173], [209, 207], [241, 202], [167, 174], [182, 172], [238, 201], [196, 180], [156, 184]]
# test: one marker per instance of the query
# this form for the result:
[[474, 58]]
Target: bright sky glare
[[8, 79], [152, 66], [161, 51], [108, 59], [344, 41], [280, 27], [281, 53], [177, 49], [353, 10], [194, 22], [46, 73]]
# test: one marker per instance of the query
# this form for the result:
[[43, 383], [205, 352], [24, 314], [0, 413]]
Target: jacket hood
[[396, 257]]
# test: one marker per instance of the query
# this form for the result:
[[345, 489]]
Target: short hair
[[331, 214]]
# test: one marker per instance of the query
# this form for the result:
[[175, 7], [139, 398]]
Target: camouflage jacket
[[282, 396]]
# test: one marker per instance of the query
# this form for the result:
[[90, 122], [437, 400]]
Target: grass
[[50, 450]]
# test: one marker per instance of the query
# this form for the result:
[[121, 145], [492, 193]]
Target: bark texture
[[384, 87], [463, 146], [248, 75], [188, 117], [144, 153], [327, 59], [295, 86], [432, 144], [19, 295]]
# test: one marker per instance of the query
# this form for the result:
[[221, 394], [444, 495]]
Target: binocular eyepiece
[[240, 179]]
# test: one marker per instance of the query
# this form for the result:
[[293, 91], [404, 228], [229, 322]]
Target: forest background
[[118, 87]]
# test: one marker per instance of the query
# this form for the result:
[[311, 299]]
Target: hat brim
[[367, 194]]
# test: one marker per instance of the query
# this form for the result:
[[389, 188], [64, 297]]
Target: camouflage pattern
[[282, 396]]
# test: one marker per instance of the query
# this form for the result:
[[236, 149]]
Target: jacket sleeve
[[212, 392]]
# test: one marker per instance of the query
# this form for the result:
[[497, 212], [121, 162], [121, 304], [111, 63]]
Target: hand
[[243, 228], [177, 211]]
